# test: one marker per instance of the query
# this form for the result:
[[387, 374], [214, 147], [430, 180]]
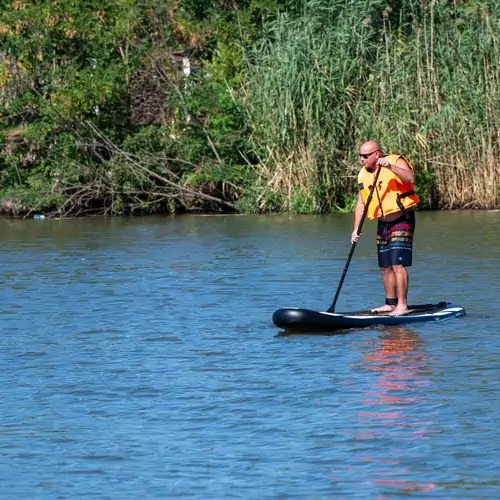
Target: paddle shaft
[[331, 309]]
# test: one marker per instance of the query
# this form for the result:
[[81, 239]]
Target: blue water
[[138, 359]]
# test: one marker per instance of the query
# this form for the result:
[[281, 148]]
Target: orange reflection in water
[[400, 367], [403, 365], [405, 485]]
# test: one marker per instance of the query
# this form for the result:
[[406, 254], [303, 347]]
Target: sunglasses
[[367, 155]]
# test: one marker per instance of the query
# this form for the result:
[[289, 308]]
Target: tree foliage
[[123, 107]]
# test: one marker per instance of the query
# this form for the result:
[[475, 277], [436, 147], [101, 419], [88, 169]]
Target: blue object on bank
[[39, 216]]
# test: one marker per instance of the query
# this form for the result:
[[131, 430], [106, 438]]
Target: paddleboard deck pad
[[307, 320]]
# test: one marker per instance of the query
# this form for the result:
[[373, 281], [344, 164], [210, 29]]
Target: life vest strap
[[400, 203]]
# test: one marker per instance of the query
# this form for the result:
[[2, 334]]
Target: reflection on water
[[402, 363], [392, 407]]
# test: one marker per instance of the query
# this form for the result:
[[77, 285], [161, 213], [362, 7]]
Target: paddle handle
[[331, 309]]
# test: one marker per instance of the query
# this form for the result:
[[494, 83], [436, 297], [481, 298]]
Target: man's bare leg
[[402, 280], [389, 282]]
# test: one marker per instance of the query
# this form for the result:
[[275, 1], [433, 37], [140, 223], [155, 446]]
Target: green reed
[[423, 79]]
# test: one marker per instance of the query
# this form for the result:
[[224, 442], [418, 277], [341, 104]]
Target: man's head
[[369, 153]]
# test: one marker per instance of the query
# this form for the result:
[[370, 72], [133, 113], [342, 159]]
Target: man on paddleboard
[[392, 204]]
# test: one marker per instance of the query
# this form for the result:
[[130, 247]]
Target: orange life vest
[[390, 195]]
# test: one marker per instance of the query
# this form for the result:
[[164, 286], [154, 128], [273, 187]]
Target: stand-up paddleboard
[[307, 320]]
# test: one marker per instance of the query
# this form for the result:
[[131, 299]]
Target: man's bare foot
[[383, 309], [399, 311]]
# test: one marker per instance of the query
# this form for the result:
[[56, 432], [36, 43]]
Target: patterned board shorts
[[395, 241]]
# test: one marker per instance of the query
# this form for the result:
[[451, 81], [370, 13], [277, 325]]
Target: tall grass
[[422, 78]]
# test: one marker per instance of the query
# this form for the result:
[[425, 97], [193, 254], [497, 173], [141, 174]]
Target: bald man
[[392, 205]]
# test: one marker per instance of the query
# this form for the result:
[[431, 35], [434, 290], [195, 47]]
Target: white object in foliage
[[186, 66]]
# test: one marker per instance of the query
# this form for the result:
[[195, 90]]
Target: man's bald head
[[369, 153], [369, 147]]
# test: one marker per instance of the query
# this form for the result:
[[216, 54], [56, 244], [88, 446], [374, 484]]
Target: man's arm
[[401, 169]]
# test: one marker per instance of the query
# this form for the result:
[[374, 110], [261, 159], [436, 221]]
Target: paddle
[[331, 309]]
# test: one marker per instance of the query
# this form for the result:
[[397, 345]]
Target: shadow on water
[[388, 329], [377, 329], [344, 331]]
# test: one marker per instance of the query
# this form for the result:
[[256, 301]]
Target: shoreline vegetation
[[243, 106]]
